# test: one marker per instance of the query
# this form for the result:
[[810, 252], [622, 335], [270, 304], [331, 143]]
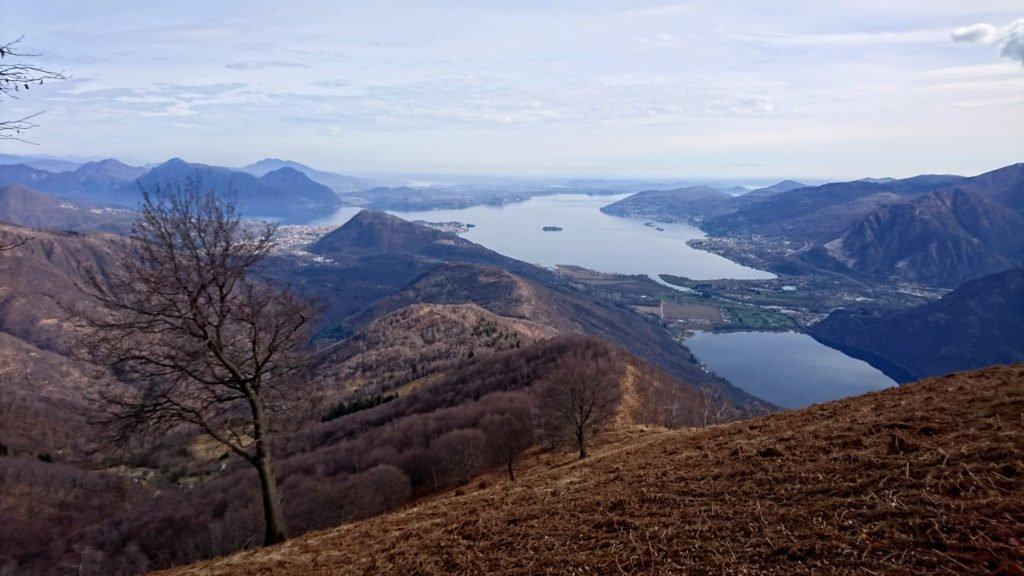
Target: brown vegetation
[[926, 478]]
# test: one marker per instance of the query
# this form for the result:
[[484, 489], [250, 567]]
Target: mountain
[[299, 185], [943, 238], [98, 173], [40, 163], [94, 182], [978, 324], [818, 214], [1004, 186], [373, 233], [920, 479], [337, 182], [783, 186], [679, 204], [284, 193], [23, 206]]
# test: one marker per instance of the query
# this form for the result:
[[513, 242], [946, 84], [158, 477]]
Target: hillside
[[193, 500], [680, 204], [418, 341], [976, 325], [25, 207], [943, 238], [900, 481], [561, 308]]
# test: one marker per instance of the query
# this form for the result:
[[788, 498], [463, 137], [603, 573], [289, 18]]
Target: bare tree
[[18, 76], [185, 321], [508, 435], [713, 405], [580, 396]]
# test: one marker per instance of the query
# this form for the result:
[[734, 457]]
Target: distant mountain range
[[41, 162], [978, 324], [942, 238], [933, 229], [284, 193], [340, 183], [692, 203]]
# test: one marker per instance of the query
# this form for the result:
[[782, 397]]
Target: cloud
[[261, 64], [977, 33], [1009, 38]]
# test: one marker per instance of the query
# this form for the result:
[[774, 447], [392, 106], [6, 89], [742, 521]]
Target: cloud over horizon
[[1009, 38], [645, 87]]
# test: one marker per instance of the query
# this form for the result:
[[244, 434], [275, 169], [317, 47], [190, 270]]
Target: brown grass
[[924, 479]]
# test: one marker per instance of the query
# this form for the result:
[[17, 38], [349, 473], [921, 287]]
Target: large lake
[[589, 237], [788, 369]]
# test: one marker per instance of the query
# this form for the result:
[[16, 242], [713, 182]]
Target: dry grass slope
[[927, 478]]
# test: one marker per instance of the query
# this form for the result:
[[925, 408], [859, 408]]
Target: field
[[689, 312], [923, 479]]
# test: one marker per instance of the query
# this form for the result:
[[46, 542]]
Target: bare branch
[[18, 77]]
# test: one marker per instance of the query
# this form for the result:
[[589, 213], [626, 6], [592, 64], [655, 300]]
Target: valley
[[633, 288]]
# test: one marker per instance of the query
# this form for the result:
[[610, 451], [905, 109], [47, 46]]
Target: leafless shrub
[[375, 491], [508, 435], [459, 455]]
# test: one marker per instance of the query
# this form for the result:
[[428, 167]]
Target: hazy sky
[[722, 89]]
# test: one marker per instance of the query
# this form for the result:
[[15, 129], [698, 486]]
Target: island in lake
[[552, 228]]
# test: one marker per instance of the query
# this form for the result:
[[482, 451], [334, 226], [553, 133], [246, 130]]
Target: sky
[[700, 89]]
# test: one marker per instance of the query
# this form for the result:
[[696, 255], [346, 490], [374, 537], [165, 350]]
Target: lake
[[589, 237], [786, 368]]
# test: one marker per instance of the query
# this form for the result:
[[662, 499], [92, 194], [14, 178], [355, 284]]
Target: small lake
[[589, 237], [786, 368]]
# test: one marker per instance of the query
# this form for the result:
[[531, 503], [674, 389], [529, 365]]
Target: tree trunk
[[511, 473], [581, 442], [273, 519]]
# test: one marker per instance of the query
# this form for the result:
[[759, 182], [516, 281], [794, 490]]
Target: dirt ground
[[923, 479]]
